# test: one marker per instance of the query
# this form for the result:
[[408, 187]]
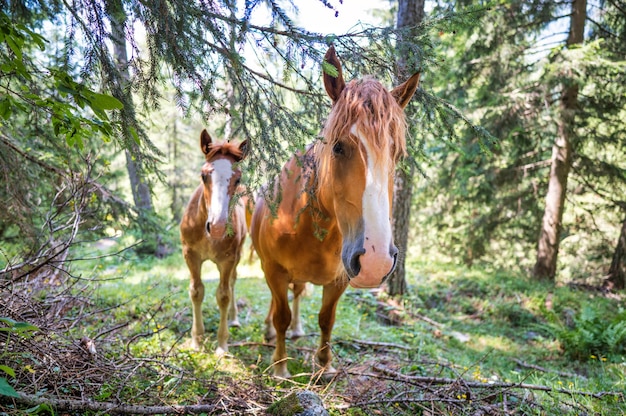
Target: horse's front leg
[[233, 319], [196, 294], [281, 317], [330, 297], [270, 332], [224, 297]]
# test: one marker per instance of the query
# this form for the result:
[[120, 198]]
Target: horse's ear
[[205, 141], [403, 92], [333, 82], [243, 147]]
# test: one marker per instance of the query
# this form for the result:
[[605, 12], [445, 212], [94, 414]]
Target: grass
[[478, 325]]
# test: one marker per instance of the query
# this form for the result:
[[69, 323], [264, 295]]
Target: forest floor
[[113, 337]]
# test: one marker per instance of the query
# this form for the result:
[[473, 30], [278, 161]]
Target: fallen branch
[[374, 344], [394, 375], [546, 370], [64, 405]]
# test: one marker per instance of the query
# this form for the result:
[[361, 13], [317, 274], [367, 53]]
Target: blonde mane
[[224, 148], [368, 105]]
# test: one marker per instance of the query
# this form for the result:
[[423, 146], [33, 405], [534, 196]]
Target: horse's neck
[[201, 209], [312, 194]]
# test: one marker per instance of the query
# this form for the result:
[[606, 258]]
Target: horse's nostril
[[355, 262], [208, 227]]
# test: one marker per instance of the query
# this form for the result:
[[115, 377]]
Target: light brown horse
[[213, 230], [333, 221]]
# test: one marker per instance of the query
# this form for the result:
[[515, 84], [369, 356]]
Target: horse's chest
[[220, 250], [310, 264]]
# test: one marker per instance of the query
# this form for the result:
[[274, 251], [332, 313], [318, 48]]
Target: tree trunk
[[549, 237], [410, 14], [177, 205], [138, 184], [617, 272], [403, 193]]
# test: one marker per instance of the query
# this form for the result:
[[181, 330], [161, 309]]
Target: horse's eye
[[338, 149], [237, 181], [204, 176]]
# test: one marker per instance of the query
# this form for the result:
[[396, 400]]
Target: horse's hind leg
[[330, 297], [233, 319], [296, 321], [196, 294], [224, 298]]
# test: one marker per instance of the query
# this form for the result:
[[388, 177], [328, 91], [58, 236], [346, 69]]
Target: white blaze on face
[[218, 211], [376, 263]]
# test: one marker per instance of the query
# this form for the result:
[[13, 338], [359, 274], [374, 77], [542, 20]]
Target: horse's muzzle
[[376, 270], [394, 254], [216, 231]]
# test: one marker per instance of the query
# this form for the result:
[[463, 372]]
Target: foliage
[[51, 129], [479, 200], [593, 336], [508, 72], [28, 88], [227, 80], [8, 329], [470, 326]]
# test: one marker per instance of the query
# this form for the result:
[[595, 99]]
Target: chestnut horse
[[213, 230], [332, 226]]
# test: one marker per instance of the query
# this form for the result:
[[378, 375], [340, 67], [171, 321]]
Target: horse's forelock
[[225, 148], [377, 116]]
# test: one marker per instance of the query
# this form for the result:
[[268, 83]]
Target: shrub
[[594, 335]]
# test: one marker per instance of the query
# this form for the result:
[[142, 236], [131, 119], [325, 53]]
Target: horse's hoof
[[282, 374], [297, 333], [234, 324], [329, 372], [196, 344], [220, 352]]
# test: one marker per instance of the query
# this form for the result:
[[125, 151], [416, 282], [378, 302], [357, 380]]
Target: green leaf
[[64, 88], [70, 139], [40, 408], [330, 69], [104, 102], [5, 109], [8, 370], [7, 66], [6, 389], [7, 321], [133, 132], [16, 326], [17, 50], [24, 327]]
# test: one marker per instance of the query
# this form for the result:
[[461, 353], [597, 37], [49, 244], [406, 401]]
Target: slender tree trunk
[[230, 87], [617, 272], [177, 206], [549, 237], [410, 14], [139, 185]]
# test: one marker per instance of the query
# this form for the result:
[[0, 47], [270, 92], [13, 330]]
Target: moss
[[287, 406]]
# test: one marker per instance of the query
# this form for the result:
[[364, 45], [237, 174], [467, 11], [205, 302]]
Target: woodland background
[[511, 197]]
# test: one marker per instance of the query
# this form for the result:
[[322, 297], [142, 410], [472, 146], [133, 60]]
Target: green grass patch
[[479, 325]]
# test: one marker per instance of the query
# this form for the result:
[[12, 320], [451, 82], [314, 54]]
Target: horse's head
[[221, 176], [364, 137]]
